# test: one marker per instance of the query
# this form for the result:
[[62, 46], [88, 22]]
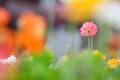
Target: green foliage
[[82, 66], [37, 67]]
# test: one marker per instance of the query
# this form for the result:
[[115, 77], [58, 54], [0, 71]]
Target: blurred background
[[59, 22]]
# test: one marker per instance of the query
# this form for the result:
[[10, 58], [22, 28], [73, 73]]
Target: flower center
[[88, 31]]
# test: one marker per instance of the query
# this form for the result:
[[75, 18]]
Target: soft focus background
[[41, 40], [63, 18]]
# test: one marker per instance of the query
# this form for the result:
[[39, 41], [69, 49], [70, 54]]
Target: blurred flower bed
[[41, 64], [25, 56], [82, 66]]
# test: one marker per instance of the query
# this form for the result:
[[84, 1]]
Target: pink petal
[[84, 33], [94, 28], [82, 28], [86, 25], [92, 34]]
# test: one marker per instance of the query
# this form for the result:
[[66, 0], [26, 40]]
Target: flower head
[[4, 17], [79, 10], [113, 63], [10, 60], [88, 29], [97, 53], [31, 35]]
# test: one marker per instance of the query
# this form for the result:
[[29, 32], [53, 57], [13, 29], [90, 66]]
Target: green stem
[[89, 44]]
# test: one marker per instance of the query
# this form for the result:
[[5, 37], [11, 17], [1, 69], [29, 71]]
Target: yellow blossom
[[103, 57], [96, 52], [112, 63], [80, 9]]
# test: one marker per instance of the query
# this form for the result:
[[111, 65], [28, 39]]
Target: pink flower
[[88, 29]]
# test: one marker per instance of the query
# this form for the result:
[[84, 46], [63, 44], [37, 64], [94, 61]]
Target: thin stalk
[[91, 44], [89, 51]]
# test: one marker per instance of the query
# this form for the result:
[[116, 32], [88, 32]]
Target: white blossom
[[10, 60]]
